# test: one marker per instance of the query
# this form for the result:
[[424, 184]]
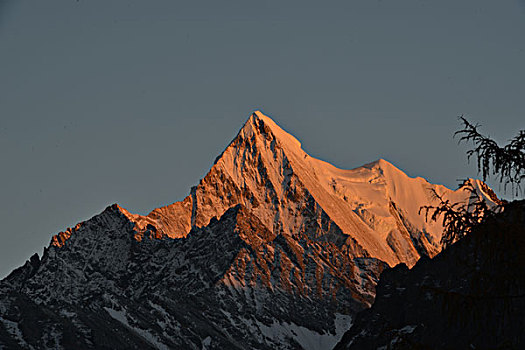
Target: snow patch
[[307, 338], [206, 343], [12, 328], [407, 329], [121, 316]]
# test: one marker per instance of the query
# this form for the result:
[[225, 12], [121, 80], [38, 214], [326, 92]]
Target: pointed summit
[[260, 125], [384, 166], [373, 209], [267, 225], [380, 163]]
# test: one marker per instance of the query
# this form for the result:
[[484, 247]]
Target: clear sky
[[131, 101]]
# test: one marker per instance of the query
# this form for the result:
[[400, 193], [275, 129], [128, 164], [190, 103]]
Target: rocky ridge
[[273, 249]]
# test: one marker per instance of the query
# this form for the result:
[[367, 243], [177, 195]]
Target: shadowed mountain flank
[[471, 296]]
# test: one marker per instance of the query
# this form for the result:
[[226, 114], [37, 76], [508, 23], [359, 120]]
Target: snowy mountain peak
[[374, 209], [259, 125], [267, 225], [380, 164]]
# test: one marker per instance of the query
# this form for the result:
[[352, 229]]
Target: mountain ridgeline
[[273, 249]]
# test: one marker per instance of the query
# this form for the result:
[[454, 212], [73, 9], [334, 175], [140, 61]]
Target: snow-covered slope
[[273, 249], [373, 208]]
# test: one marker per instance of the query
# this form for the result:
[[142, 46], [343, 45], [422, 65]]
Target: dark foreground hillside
[[471, 296]]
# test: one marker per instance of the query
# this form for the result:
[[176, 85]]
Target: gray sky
[[131, 101]]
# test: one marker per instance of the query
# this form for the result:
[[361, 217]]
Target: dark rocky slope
[[230, 285], [470, 296]]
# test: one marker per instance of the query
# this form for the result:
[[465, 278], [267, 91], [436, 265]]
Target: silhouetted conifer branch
[[458, 219], [507, 163]]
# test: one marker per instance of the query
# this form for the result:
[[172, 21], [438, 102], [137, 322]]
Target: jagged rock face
[[273, 249], [471, 296], [374, 209], [231, 284]]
